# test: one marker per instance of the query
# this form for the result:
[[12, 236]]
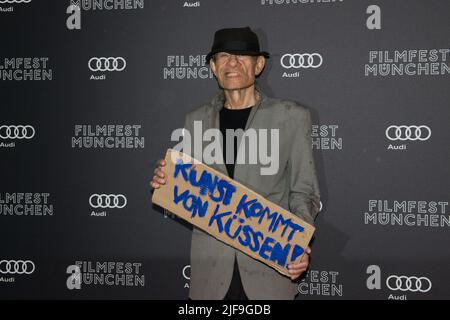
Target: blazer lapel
[[214, 122], [241, 169]]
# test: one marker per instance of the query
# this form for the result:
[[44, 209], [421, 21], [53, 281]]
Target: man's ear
[[260, 63], [212, 65]]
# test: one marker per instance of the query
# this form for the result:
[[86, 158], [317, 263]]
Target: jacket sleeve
[[188, 129], [186, 136], [304, 193]]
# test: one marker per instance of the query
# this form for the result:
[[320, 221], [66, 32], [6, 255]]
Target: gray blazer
[[294, 187]]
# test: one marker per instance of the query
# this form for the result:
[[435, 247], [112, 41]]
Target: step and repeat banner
[[91, 91]]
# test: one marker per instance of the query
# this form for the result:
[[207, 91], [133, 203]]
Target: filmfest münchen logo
[[409, 214], [108, 136], [9, 4], [105, 65], [107, 5], [25, 69], [76, 7], [297, 2], [399, 284], [407, 62], [321, 283], [25, 204], [83, 274], [186, 67], [293, 62], [9, 269], [399, 135], [106, 201], [9, 134], [326, 137]]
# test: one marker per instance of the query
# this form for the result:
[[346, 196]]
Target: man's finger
[[297, 271], [154, 185], [298, 266], [158, 180], [161, 163], [159, 173]]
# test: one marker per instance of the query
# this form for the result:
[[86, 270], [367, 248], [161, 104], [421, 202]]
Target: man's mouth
[[231, 74]]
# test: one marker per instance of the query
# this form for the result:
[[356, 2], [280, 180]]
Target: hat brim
[[247, 53]]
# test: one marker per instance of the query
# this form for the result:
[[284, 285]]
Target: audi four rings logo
[[15, 1], [16, 132], [413, 284], [412, 133], [16, 267], [107, 64], [185, 273], [304, 60], [108, 201]]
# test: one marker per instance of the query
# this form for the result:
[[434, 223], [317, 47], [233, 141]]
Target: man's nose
[[232, 59]]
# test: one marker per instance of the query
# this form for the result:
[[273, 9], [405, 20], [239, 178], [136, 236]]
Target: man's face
[[236, 71]]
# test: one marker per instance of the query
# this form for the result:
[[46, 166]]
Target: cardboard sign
[[232, 213]]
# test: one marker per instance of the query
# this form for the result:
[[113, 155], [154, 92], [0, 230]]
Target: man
[[218, 271]]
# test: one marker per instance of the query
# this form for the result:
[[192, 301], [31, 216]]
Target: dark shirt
[[233, 119]]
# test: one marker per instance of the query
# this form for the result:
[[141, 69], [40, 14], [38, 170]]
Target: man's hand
[[296, 269], [159, 178]]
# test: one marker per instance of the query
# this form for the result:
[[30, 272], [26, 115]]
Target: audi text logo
[[16, 132], [413, 284], [107, 64], [15, 1], [412, 133], [16, 267], [305, 60], [108, 201]]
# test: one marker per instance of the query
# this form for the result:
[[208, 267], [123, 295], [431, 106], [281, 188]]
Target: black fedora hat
[[237, 41]]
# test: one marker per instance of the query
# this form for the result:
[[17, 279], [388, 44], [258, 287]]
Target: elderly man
[[218, 271]]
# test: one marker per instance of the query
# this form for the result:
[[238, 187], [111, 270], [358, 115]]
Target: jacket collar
[[219, 99], [217, 104]]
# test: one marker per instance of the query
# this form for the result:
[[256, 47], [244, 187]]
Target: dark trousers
[[236, 290]]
